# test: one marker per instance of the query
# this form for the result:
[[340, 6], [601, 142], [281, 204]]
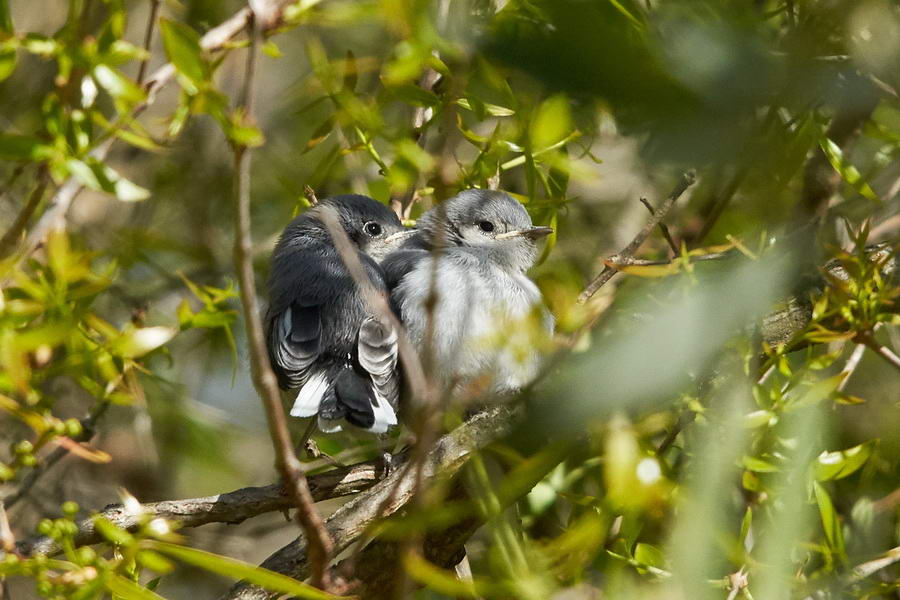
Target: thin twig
[[879, 349], [868, 568], [12, 235], [148, 39], [88, 425], [7, 539], [663, 228], [850, 366], [627, 253], [263, 378], [13, 177], [310, 195]]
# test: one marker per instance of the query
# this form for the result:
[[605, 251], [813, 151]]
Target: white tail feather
[[310, 396], [385, 416]]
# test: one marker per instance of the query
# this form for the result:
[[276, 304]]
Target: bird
[[322, 339], [484, 309]]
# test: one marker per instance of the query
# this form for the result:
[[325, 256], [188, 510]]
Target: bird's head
[[486, 219], [369, 224]]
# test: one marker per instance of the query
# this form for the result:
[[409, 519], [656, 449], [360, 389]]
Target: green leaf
[[758, 465], [490, 109], [6, 24], [117, 85], [830, 521], [439, 580], [129, 590], [182, 45], [841, 463], [552, 122], [236, 569], [649, 555], [848, 172], [19, 147], [138, 342], [114, 534], [8, 57]]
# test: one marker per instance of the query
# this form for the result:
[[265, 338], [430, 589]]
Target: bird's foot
[[390, 463]]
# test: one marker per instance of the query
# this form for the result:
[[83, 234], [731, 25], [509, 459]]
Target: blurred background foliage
[[696, 458]]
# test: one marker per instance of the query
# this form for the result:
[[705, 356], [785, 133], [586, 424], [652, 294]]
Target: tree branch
[[232, 507], [627, 253], [263, 377], [388, 496], [12, 235]]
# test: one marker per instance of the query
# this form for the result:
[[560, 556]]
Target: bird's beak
[[533, 233], [397, 238]]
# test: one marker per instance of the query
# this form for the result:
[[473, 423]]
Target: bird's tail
[[341, 394]]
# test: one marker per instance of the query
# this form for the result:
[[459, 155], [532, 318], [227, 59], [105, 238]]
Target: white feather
[[384, 415], [310, 396]]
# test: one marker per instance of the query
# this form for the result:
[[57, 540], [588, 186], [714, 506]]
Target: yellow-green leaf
[[129, 590], [138, 342], [237, 569], [841, 463], [552, 122], [182, 45]]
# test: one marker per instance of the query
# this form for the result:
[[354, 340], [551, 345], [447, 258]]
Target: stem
[[12, 235], [627, 253], [882, 351], [264, 380]]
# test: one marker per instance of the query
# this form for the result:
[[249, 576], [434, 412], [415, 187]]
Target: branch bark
[[264, 380], [388, 496], [627, 254], [232, 507]]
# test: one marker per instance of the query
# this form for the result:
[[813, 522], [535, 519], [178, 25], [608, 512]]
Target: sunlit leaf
[[552, 122], [439, 580], [842, 463], [830, 521], [182, 45], [129, 590], [19, 147], [236, 569], [848, 172], [135, 343]]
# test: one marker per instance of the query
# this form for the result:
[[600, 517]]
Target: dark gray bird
[[321, 337], [487, 310]]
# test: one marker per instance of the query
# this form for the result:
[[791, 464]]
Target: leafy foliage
[[673, 449]]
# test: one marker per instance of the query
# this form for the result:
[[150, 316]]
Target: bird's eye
[[486, 226], [372, 229]]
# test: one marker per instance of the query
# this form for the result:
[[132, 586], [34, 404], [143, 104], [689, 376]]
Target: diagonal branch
[[627, 253], [388, 496]]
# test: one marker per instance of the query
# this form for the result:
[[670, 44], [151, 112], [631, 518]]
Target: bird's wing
[[294, 341], [377, 352]]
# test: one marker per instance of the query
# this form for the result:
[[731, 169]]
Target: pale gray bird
[[321, 336], [488, 314]]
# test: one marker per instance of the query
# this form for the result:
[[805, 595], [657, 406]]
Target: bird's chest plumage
[[479, 308]]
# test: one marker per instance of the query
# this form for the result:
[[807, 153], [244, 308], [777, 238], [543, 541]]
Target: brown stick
[[12, 235], [627, 253], [232, 507], [263, 378], [351, 520], [879, 349]]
